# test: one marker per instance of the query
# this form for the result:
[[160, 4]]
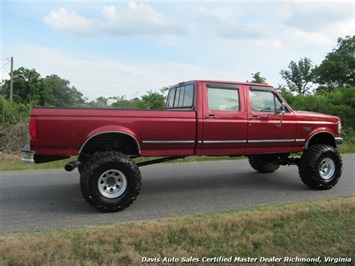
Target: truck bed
[[64, 131]]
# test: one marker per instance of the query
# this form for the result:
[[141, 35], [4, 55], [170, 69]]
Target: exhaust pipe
[[72, 165]]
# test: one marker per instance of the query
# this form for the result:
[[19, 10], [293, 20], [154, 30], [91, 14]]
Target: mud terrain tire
[[110, 181], [320, 167]]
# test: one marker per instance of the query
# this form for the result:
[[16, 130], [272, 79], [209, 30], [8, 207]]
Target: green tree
[[62, 94], [28, 87], [339, 102], [121, 102], [153, 100], [338, 67], [299, 75], [257, 78], [100, 102], [164, 89]]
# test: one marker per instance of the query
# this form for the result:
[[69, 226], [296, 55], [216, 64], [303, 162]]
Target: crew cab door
[[224, 129], [269, 129]]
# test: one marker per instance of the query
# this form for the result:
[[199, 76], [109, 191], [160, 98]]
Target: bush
[[349, 136], [14, 125], [339, 102]]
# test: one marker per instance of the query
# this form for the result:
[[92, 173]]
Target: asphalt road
[[52, 199]]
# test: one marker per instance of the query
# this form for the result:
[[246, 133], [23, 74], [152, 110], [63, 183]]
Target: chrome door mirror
[[282, 110]]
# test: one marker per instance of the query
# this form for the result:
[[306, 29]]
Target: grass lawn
[[317, 232]]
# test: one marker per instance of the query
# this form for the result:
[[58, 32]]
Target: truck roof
[[222, 82]]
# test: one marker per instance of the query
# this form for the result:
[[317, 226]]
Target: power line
[[5, 65], [8, 61]]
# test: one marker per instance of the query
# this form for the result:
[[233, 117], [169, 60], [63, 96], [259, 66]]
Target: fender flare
[[322, 131], [111, 129]]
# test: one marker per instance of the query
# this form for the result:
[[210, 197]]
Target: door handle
[[211, 116], [254, 117]]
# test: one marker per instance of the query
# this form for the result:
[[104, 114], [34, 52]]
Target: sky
[[121, 48]]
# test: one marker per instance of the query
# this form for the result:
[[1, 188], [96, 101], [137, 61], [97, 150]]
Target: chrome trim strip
[[314, 122], [271, 140], [168, 141], [224, 141], [300, 140], [249, 141]]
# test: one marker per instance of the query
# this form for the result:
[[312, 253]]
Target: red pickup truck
[[201, 118]]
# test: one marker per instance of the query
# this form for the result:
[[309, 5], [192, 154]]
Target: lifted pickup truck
[[201, 118]]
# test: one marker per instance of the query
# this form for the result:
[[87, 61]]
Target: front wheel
[[110, 181], [320, 167]]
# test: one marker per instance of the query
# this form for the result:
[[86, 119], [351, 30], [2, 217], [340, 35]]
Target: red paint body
[[196, 130]]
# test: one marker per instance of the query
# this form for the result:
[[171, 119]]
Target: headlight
[[339, 127]]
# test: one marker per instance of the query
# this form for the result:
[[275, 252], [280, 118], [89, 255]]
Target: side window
[[223, 99], [264, 101], [171, 98], [180, 97], [186, 96]]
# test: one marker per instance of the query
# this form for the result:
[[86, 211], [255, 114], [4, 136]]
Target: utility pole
[[11, 78]]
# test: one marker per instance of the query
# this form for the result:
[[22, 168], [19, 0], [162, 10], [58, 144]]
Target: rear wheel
[[110, 181], [320, 167], [263, 163]]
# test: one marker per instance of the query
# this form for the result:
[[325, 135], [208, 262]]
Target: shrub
[[14, 125]]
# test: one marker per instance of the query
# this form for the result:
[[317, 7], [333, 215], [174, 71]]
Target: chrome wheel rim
[[326, 168], [112, 183]]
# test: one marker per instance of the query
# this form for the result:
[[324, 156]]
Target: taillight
[[33, 127]]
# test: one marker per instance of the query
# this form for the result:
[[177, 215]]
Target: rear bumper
[[27, 155], [30, 156], [339, 141]]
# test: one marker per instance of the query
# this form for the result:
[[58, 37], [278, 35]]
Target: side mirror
[[283, 107], [283, 110]]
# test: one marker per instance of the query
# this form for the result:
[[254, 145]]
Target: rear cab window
[[181, 97]]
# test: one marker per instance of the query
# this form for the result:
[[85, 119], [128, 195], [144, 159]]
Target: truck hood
[[313, 116]]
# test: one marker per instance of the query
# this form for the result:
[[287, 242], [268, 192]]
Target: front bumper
[[339, 141], [27, 155]]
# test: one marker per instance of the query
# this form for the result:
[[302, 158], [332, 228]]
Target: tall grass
[[12, 162], [347, 148]]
